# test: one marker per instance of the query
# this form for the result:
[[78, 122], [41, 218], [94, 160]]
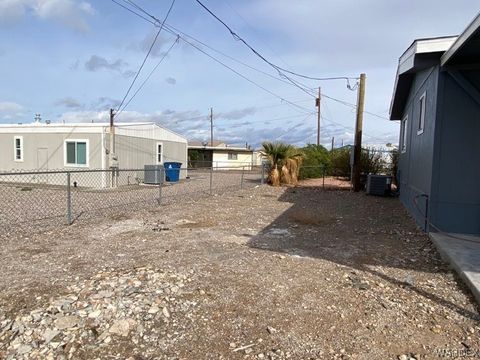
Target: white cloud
[[194, 125], [10, 110], [67, 12], [96, 63], [237, 114], [69, 103], [170, 80], [84, 116], [12, 11], [144, 45]]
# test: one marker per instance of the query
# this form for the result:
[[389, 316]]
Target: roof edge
[[461, 40]]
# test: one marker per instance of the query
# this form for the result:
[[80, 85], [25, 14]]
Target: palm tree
[[285, 157], [291, 165], [276, 152]]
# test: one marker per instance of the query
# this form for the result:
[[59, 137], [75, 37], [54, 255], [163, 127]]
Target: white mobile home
[[85, 146], [220, 156]]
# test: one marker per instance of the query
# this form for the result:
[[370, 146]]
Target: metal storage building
[[44, 146]]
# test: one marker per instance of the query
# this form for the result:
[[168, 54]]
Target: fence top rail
[[33, 172], [227, 162]]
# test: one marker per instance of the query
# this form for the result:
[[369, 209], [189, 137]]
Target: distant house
[[220, 155], [437, 100], [85, 146]]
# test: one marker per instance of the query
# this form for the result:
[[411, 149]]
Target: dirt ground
[[262, 273], [35, 206]]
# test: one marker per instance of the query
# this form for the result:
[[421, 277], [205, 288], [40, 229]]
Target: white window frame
[[161, 153], [231, 156], [15, 138], [421, 117], [87, 146], [403, 134]]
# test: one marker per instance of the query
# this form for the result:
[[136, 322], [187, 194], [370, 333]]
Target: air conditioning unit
[[154, 174], [380, 185]]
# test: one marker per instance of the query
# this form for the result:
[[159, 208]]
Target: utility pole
[[357, 168], [317, 104], [333, 142], [211, 127]]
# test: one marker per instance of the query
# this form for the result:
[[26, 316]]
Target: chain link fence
[[34, 201]]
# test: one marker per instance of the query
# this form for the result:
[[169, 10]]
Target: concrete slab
[[463, 253]]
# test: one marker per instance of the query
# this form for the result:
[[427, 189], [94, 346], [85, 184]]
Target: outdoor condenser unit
[[380, 185], [154, 174]]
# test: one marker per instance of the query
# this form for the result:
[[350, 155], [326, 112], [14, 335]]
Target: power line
[[133, 12], [175, 31], [257, 34], [275, 119], [147, 55], [276, 67], [281, 71], [288, 80], [281, 104], [149, 75], [244, 77], [302, 87], [291, 128], [352, 129], [209, 55], [353, 106]]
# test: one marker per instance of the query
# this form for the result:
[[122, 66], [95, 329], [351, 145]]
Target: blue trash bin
[[172, 171]]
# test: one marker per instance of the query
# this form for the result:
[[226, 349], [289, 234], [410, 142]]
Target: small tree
[[372, 161], [276, 153], [340, 160], [284, 157], [394, 164], [317, 162], [291, 166], [193, 157]]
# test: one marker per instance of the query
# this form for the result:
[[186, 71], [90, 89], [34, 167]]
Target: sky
[[73, 60]]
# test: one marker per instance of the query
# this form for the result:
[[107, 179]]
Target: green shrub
[[316, 162], [340, 159]]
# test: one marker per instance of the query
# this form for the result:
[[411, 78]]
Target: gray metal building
[[437, 100], [85, 146]]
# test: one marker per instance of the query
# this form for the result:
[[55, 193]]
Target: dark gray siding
[[455, 200], [415, 165]]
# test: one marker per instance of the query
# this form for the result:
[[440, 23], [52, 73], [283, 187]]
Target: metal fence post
[[323, 176], [262, 181], [211, 180], [160, 187], [69, 200], [243, 175]]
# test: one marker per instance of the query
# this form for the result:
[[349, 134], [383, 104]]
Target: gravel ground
[[34, 207], [262, 273]]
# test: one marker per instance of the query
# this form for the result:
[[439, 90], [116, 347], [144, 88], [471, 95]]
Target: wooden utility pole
[[333, 143], [211, 127], [357, 151], [317, 104]]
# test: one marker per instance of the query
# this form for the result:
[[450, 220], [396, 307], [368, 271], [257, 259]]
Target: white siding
[[220, 159]]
